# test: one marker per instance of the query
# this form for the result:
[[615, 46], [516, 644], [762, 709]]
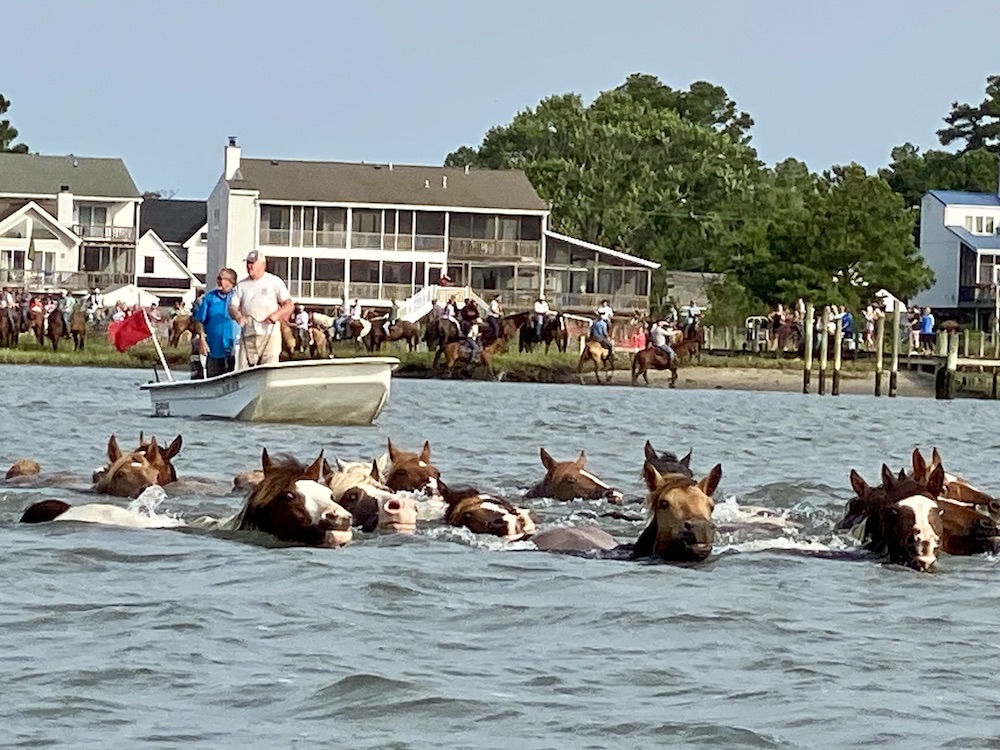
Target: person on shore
[[659, 337], [213, 326], [605, 311], [392, 316], [301, 321], [691, 323], [600, 332], [343, 318], [541, 314], [914, 320], [495, 315], [258, 304], [927, 331]]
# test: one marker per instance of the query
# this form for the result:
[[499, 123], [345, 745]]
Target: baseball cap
[[254, 255]]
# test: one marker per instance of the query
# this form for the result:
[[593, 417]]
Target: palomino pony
[[78, 329], [680, 524], [484, 514], [653, 358], [128, 474], [180, 325], [568, 480], [600, 357], [411, 471], [462, 351]]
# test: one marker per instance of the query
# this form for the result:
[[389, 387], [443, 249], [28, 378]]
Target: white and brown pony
[[569, 480]]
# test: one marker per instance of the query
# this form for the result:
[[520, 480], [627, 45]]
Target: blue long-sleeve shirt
[[213, 313]]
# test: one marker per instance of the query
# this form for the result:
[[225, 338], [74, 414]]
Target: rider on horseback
[[541, 315], [658, 339], [7, 305], [599, 333]]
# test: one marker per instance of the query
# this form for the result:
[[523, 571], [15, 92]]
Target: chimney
[[390, 166], [444, 182], [232, 162], [64, 206], [467, 169]]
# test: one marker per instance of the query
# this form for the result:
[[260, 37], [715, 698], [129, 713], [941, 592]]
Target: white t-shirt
[[259, 298], [541, 307], [605, 312]]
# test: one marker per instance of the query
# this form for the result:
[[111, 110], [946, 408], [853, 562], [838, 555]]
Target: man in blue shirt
[[599, 332], [213, 322]]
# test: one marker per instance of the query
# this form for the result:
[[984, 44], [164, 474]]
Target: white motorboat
[[349, 391]]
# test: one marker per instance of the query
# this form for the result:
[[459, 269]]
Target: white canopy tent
[[130, 294]]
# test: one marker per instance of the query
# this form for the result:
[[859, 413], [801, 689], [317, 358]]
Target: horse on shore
[[653, 358], [36, 324], [78, 329], [56, 328], [179, 325], [569, 480], [553, 332], [463, 351], [401, 330], [440, 332], [602, 359], [10, 329]]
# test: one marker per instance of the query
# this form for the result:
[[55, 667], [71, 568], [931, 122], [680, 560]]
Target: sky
[[162, 85]]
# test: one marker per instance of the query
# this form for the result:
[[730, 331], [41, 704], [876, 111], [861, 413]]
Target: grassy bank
[[98, 353]]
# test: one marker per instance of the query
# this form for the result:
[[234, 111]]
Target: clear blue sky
[[163, 84]]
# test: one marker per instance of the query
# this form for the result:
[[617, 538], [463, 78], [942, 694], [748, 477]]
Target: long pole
[[808, 328], [824, 349], [156, 343], [894, 367], [838, 345], [879, 353]]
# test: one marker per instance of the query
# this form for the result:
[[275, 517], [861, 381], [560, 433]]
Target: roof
[[172, 220], [976, 241], [33, 174], [348, 182], [964, 198], [603, 250]]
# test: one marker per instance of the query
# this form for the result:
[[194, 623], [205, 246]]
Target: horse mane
[[351, 476], [282, 473], [115, 467]]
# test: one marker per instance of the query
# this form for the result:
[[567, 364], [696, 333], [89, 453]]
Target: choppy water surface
[[154, 638]]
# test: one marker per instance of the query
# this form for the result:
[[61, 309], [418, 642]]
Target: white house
[[960, 242], [383, 231], [171, 252], [66, 222]]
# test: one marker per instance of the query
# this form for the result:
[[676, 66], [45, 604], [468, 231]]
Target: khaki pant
[[260, 349]]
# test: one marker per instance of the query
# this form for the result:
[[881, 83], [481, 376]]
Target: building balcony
[[621, 302], [981, 295], [493, 250], [105, 233], [337, 240]]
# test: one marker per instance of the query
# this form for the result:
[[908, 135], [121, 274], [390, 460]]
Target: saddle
[[470, 350]]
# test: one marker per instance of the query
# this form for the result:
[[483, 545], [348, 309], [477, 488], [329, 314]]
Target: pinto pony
[[78, 329], [569, 480], [484, 514]]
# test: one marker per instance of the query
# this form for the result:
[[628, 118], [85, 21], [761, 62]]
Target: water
[[116, 637]]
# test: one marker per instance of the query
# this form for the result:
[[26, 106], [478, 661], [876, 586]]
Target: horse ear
[[265, 461], [686, 461], [709, 484], [327, 469], [141, 438], [651, 475], [581, 461], [341, 464], [887, 477], [153, 452], [315, 469], [919, 466], [174, 448], [383, 464], [547, 461], [425, 452], [648, 452], [902, 475], [392, 450], [114, 452], [376, 474], [859, 485], [936, 457], [935, 484]]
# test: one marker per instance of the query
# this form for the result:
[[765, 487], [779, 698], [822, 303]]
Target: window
[[979, 225], [396, 273], [364, 271], [492, 278], [509, 228], [147, 265], [968, 223], [989, 225], [460, 226], [987, 264], [93, 216], [531, 228], [367, 221], [484, 227], [430, 223], [278, 266]]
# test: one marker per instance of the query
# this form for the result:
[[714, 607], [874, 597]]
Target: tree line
[[670, 175]]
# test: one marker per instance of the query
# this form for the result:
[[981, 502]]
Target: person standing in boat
[[214, 327], [258, 304]]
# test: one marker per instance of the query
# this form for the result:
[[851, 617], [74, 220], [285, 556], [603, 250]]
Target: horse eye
[[664, 504], [994, 506], [940, 511]]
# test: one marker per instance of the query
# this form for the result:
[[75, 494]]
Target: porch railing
[[490, 249], [92, 232]]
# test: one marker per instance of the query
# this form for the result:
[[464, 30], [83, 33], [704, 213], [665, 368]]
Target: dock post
[[808, 328], [838, 344], [993, 394], [965, 342], [824, 350], [894, 365], [879, 353], [982, 344], [947, 372]]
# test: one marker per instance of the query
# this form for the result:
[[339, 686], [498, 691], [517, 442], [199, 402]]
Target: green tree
[[912, 174], [975, 125], [8, 133]]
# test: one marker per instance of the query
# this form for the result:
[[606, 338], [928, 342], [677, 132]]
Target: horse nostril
[[393, 506], [688, 526]]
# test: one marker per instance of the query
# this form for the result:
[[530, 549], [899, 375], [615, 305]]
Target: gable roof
[[964, 198], [11, 218], [32, 174], [172, 256], [603, 250], [976, 241], [348, 182], [172, 220]]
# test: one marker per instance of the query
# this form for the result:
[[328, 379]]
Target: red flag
[[129, 332]]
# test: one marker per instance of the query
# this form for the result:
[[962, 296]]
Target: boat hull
[[322, 392]]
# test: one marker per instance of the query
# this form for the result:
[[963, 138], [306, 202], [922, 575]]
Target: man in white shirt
[[605, 312], [259, 303], [356, 311], [494, 315], [541, 313]]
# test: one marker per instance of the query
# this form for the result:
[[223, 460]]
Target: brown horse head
[[167, 472], [293, 504], [569, 480], [128, 474], [910, 519], [178, 325], [680, 516], [667, 461], [485, 514], [373, 506], [412, 471], [23, 467]]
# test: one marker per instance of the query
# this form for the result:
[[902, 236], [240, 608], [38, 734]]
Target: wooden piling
[[982, 344], [993, 393], [808, 329], [965, 342], [947, 371], [879, 353], [838, 345], [824, 350], [894, 362]]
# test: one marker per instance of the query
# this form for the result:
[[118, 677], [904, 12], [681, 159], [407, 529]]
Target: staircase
[[420, 304]]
